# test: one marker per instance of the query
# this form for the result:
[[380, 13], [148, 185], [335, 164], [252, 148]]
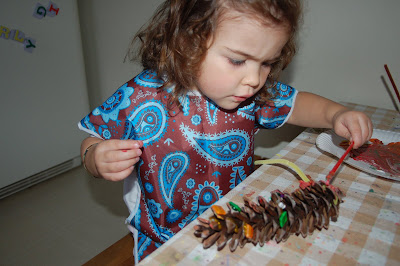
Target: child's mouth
[[240, 98]]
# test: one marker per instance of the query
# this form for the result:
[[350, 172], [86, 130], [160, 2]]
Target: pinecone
[[309, 207]]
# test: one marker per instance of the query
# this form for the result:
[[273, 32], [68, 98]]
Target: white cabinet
[[43, 91]]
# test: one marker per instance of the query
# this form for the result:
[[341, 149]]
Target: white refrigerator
[[43, 91]]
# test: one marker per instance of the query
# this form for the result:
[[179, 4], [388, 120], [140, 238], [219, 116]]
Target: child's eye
[[271, 63], [236, 62], [268, 64]]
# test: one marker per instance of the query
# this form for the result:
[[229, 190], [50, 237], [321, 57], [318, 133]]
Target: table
[[119, 253], [367, 231]]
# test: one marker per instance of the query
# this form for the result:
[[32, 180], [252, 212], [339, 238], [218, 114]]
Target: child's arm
[[110, 159], [311, 110]]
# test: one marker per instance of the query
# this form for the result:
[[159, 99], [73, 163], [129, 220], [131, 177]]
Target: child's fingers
[[117, 169], [118, 176], [120, 166], [116, 144], [370, 127], [127, 144], [355, 126], [116, 150], [359, 139], [114, 159], [123, 155], [361, 131]]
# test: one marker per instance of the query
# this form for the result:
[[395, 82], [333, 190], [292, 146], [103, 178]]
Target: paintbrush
[[392, 81], [334, 169]]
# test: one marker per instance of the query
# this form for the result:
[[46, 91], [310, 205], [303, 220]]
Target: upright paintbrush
[[392, 81]]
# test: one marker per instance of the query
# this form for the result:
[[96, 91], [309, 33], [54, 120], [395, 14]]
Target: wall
[[343, 48], [343, 45], [107, 29]]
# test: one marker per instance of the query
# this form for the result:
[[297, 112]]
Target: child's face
[[239, 60]]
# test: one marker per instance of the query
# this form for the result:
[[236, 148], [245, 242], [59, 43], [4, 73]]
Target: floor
[[66, 220]]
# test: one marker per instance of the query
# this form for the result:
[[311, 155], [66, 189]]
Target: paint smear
[[378, 155]]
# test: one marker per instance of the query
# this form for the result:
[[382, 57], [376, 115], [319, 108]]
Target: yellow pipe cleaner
[[287, 163]]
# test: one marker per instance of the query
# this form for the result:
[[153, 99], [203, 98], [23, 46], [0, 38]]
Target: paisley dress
[[191, 156]]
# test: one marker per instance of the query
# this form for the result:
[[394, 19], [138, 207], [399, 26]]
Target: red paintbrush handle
[[333, 171]]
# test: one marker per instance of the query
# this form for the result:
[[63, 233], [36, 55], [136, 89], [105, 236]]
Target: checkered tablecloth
[[367, 231]]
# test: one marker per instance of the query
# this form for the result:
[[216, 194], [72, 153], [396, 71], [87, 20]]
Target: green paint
[[371, 190], [283, 219], [335, 201], [235, 207]]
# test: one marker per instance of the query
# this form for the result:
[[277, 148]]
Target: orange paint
[[248, 230], [218, 211]]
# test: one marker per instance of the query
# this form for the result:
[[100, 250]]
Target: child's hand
[[312, 110], [114, 160], [353, 125]]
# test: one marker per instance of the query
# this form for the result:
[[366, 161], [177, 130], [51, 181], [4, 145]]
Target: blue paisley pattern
[[154, 208], [106, 134], [143, 243], [249, 161], [147, 123], [149, 187], [134, 219], [212, 112], [148, 79], [86, 123], [206, 195], [285, 96], [185, 103], [118, 101], [272, 122], [190, 183], [238, 175], [154, 211], [196, 120], [165, 233], [172, 168], [173, 216], [224, 149], [247, 111]]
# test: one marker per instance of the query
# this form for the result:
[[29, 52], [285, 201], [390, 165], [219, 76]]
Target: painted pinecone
[[309, 207]]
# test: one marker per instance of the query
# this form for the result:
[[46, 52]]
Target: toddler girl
[[180, 134]]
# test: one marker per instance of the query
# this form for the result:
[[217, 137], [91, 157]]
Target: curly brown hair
[[175, 41]]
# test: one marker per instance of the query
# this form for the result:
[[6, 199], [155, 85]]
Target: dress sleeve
[[108, 120], [275, 113]]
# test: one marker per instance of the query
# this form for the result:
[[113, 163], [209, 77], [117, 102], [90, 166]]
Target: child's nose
[[252, 77]]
